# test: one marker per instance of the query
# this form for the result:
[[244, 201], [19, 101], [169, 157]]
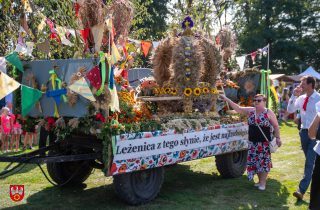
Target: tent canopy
[[281, 77], [312, 72]]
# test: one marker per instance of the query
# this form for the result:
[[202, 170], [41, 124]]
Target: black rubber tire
[[232, 165], [61, 172], [139, 187]]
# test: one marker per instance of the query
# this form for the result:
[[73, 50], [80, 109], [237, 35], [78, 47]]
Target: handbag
[[272, 144]]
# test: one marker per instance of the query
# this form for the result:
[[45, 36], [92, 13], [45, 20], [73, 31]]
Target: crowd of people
[[263, 125], [10, 127]]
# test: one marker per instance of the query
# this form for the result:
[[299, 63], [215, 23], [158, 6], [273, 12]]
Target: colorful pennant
[[145, 47], [97, 32], [85, 33], [14, 60], [7, 85], [253, 55], [29, 98], [94, 77], [81, 87], [45, 47], [241, 61]]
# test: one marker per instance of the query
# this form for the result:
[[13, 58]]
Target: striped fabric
[[81, 87]]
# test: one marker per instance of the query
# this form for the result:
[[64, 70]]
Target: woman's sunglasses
[[258, 100]]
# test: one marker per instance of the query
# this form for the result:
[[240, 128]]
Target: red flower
[[131, 160], [113, 168], [258, 120], [123, 168], [257, 158], [249, 169], [266, 115], [254, 168], [260, 148], [163, 160], [183, 153], [138, 161], [267, 154], [170, 160], [263, 162], [268, 165], [251, 149], [249, 158], [195, 153], [265, 143], [150, 161]]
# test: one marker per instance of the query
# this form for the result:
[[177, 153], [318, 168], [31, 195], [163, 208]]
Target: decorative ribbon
[[50, 121], [14, 72], [100, 117], [54, 78], [263, 85], [114, 146], [77, 9], [103, 72]]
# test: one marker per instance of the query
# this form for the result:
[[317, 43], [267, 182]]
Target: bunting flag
[[131, 41], [253, 55], [25, 49], [115, 55], [85, 33], [24, 24], [145, 47], [115, 99], [51, 24], [111, 29], [45, 47], [43, 21], [27, 6], [53, 35], [22, 30], [155, 44], [3, 65], [7, 85], [94, 77], [20, 41], [111, 77], [72, 32], [241, 61], [61, 31], [77, 9], [66, 42], [14, 60], [29, 98], [56, 94], [81, 87], [264, 49], [97, 32], [126, 55]]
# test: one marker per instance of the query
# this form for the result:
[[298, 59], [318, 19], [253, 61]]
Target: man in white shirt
[[307, 105]]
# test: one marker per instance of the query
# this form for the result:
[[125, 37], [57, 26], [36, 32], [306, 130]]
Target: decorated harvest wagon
[[131, 133]]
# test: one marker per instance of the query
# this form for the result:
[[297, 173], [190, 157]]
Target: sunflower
[[197, 91], [162, 91], [168, 90], [188, 69], [187, 91], [205, 90], [157, 91], [174, 91]]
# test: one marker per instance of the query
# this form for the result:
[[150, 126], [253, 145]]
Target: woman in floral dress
[[259, 157]]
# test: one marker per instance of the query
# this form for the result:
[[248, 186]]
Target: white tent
[[310, 71]]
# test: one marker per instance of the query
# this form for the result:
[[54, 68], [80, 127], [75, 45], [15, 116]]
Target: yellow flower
[[188, 69], [187, 48], [188, 79], [187, 91], [174, 91], [162, 90], [157, 91], [197, 91], [213, 91], [168, 90], [187, 59], [205, 90]]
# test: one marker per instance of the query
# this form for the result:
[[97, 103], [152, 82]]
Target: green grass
[[192, 185]]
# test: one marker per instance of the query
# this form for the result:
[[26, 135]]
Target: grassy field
[[192, 185]]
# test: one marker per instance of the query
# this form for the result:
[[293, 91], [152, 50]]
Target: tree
[[284, 24]]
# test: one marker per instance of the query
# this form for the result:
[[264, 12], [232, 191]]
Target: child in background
[[16, 132], [34, 134], [6, 125], [28, 136]]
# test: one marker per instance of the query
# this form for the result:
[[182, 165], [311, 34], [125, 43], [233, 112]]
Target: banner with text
[[144, 147]]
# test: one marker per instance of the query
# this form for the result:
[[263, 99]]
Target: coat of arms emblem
[[16, 192]]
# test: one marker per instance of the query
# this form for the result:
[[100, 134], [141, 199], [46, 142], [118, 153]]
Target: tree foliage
[[289, 27]]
